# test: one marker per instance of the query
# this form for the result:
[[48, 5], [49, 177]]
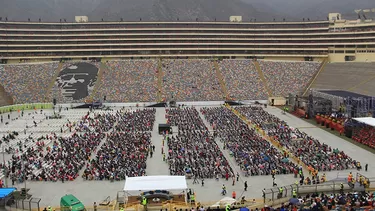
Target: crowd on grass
[[242, 80], [193, 149], [191, 80], [125, 151], [284, 78], [309, 150], [129, 81], [253, 154], [27, 83]]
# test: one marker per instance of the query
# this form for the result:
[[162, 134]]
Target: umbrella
[[244, 209], [293, 201], [285, 160]]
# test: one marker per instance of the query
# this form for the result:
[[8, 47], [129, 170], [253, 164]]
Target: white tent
[[152, 183], [367, 120]]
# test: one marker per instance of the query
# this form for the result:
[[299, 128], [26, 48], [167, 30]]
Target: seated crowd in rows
[[253, 154], [242, 80], [191, 80], [365, 135], [194, 149], [129, 81], [309, 150], [28, 83], [66, 156], [125, 150], [284, 78]]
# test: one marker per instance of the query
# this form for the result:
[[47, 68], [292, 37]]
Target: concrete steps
[[221, 80], [5, 98], [262, 78], [311, 82], [160, 82]]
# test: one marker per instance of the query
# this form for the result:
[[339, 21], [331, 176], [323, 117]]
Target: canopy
[[366, 120], [149, 183], [4, 192]]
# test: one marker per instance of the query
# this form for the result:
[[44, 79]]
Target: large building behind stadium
[[237, 115]]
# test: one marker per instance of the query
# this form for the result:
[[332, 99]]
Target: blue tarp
[[4, 192]]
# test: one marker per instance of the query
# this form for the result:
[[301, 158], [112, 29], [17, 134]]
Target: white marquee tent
[[135, 185], [366, 120]]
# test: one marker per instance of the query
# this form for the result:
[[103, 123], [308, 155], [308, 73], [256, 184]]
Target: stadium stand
[[253, 154], [288, 77], [242, 80], [190, 80], [351, 76], [129, 81], [28, 83]]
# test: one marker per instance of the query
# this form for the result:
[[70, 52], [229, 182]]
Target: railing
[[29, 106]]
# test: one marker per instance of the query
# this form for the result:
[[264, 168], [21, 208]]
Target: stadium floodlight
[[255, 20], [308, 19], [140, 19], [40, 20], [102, 19], [274, 20], [6, 18], [303, 19], [60, 20], [284, 19], [64, 20], [358, 11], [196, 19], [122, 19]]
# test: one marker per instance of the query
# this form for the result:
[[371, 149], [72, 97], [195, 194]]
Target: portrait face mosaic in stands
[[77, 81]]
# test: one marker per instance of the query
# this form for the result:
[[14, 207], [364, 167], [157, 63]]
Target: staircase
[[261, 76], [5, 99], [101, 70], [311, 82], [220, 77], [160, 81], [52, 83]]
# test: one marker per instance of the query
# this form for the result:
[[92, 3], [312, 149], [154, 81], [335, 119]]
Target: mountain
[[184, 10], [129, 10]]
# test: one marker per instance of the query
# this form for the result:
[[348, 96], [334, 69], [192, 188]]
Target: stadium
[[184, 115]]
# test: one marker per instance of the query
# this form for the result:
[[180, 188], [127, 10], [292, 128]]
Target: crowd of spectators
[[310, 151], [27, 83], [253, 154], [194, 150], [284, 78], [86, 87], [348, 201], [242, 80], [191, 80], [365, 135], [129, 81], [126, 149], [66, 156]]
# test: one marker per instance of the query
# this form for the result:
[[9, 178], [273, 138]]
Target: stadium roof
[[4, 192], [344, 94], [366, 120], [150, 183]]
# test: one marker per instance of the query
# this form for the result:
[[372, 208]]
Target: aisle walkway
[[334, 141], [155, 165]]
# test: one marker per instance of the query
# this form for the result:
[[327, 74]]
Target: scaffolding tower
[[359, 107]]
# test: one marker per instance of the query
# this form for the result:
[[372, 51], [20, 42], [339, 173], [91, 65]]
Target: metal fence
[[26, 204]]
